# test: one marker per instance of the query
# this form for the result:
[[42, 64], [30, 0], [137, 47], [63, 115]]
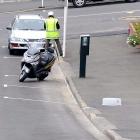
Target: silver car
[[23, 28]]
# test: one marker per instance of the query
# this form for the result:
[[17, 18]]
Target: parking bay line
[[4, 46], [12, 75], [33, 100], [29, 87], [19, 86], [9, 57]]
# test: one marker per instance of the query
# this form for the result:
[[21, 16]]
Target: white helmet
[[50, 13]]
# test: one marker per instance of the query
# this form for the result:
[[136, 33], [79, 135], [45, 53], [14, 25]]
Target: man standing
[[52, 31]]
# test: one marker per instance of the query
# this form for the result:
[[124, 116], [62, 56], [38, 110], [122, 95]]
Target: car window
[[28, 24]]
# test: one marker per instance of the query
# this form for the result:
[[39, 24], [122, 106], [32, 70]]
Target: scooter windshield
[[34, 49]]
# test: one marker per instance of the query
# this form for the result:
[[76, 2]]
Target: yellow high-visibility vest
[[51, 30]]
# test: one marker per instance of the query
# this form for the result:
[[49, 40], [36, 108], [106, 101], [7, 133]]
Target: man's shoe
[[61, 54]]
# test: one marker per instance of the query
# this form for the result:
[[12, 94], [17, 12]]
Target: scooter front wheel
[[42, 77], [23, 76]]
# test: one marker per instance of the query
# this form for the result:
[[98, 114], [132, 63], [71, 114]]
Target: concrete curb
[[100, 123], [95, 131], [92, 116]]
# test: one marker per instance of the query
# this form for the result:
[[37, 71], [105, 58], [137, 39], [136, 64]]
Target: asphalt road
[[37, 110]]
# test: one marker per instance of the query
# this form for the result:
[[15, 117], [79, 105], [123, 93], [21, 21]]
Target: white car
[[23, 28]]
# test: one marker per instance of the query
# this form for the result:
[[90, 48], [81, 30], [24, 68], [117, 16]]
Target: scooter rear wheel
[[42, 77]]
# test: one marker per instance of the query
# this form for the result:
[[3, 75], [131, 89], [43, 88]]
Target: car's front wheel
[[79, 3]]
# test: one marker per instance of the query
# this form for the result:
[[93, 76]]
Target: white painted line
[[5, 97], [111, 102], [5, 85], [44, 11], [11, 75], [4, 47], [9, 57], [10, 1], [131, 12], [33, 100], [130, 18], [99, 14]]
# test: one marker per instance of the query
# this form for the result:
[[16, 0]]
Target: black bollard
[[84, 51]]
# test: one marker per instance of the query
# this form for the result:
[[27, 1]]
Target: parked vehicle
[[37, 62], [82, 3], [25, 27]]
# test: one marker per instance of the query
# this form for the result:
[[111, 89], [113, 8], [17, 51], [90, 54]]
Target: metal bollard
[[84, 51]]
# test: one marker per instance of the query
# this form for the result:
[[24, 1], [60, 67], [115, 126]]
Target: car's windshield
[[28, 24]]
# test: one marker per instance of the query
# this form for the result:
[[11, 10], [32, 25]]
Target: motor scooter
[[37, 62]]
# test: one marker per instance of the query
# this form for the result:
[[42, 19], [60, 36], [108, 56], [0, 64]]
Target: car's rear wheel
[[79, 3]]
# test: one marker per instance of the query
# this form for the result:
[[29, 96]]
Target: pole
[[82, 73], [84, 51], [65, 27], [42, 3]]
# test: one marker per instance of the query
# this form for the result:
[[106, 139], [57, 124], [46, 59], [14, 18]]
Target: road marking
[[43, 11], [33, 100], [10, 1], [30, 87], [5, 1], [3, 46], [5, 85], [10, 75], [9, 57], [131, 12], [130, 18], [111, 102], [108, 13]]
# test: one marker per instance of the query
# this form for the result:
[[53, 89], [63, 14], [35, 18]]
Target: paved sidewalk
[[112, 72]]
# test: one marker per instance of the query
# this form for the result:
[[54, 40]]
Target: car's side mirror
[[8, 28]]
